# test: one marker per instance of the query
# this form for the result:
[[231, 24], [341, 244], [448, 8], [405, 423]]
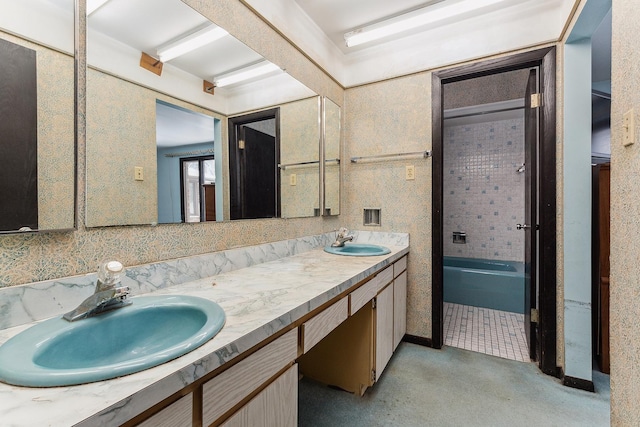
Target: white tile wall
[[483, 193]]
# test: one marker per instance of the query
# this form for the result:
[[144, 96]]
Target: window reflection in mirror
[[37, 130], [186, 159], [198, 189]]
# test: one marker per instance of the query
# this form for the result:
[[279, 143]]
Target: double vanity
[[291, 308]]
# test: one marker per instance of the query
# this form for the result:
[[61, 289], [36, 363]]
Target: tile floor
[[494, 332]]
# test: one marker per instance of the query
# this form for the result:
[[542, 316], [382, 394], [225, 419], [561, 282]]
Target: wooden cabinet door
[[276, 405], [384, 329], [178, 414], [399, 308], [230, 387]]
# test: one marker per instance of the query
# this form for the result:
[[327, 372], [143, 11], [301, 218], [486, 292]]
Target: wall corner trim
[[414, 339], [578, 383]]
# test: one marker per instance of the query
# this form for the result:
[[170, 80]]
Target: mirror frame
[[323, 160], [76, 101]]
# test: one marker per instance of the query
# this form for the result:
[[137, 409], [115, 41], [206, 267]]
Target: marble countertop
[[258, 301]]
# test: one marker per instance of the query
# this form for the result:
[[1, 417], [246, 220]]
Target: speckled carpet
[[454, 387]]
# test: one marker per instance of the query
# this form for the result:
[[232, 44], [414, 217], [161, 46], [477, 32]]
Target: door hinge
[[536, 100], [373, 375], [241, 144], [534, 315], [373, 303]]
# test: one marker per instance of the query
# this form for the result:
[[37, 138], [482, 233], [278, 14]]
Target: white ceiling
[[317, 27], [146, 25], [178, 126], [336, 17]]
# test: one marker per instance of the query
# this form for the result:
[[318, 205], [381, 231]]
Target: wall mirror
[[37, 115], [159, 118], [331, 140]]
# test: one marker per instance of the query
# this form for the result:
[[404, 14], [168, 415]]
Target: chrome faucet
[[341, 238], [108, 295]]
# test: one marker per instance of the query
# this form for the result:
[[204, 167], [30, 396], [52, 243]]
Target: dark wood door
[[18, 138], [530, 214], [209, 202], [259, 171], [254, 154]]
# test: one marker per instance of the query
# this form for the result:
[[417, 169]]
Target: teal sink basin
[[147, 333], [358, 249]]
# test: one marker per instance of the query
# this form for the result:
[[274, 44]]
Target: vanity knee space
[[356, 351]]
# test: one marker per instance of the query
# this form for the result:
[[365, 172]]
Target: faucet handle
[[343, 231], [110, 271], [113, 267]]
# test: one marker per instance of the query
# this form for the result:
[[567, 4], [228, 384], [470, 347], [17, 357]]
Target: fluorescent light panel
[[93, 5], [191, 42], [245, 74], [415, 19]]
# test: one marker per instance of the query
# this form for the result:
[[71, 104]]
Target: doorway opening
[[601, 172], [494, 226], [254, 155], [484, 198]]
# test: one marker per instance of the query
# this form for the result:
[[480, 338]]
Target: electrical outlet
[[411, 173], [293, 179], [138, 174], [628, 128]]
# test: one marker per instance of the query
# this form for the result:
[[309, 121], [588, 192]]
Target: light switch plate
[[293, 179], [410, 173], [138, 173], [628, 128]]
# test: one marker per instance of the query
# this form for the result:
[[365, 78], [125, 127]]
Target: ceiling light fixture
[[93, 5], [431, 14], [191, 42], [247, 73]]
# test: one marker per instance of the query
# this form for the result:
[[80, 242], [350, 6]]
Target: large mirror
[[37, 111], [172, 135]]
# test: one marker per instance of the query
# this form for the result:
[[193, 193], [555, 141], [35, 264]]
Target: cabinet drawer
[[178, 414], [366, 292], [233, 385], [400, 266], [320, 325]]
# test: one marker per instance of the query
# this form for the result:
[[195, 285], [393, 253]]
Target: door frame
[[545, 59]]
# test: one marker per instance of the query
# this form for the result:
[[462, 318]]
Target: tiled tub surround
[[483, 193], [263, 289]]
